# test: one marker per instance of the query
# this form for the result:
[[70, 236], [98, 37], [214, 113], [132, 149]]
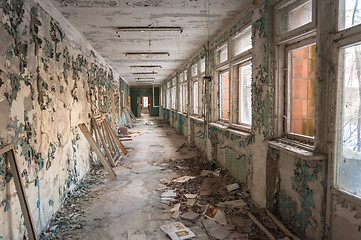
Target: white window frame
[[220, 95]]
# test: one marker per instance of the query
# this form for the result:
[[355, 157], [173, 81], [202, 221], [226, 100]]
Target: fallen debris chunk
[[191, 201], [219, 232], [176, 214], [234, 203], [190, 215], [177, 231], [169, 194], [216, 173], [190, 196], [215, 214], [175, 208], [183, 179], [232, 187], [213, 186]]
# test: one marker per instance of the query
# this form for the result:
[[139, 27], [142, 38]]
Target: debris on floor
[[183, 179], [177, 231]]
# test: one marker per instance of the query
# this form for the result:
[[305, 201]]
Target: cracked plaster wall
[[49, 83]]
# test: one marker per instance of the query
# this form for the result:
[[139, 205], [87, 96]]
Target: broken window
[[224, 95], [245, 93], [222, 54], [349, 139], [195, 96], [242, 41], [349, 13], [294, 14], [302, 73]]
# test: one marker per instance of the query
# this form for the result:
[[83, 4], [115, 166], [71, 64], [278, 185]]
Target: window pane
[[245, 94], [168, 98], [222, 54], [349, 13], [349, 159], [224, 95], [203, 65], [185, 97], [173, 98], [302, 76], [242, 42], [180, 97], [195, 97], [194, 69], [185, 75], [295, 14], [181, 77]]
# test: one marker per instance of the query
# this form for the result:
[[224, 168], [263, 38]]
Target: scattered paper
[[232, 187], [215, 214], [183, 179], [177, 231]]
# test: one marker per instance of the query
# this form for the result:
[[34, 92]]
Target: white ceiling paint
[[97, 20]]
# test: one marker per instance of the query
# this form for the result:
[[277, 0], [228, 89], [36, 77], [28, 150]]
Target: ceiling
[[200, 20]]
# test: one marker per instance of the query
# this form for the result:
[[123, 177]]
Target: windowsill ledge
[[297, 151], [230, 130], [196, 118], [346, 195]]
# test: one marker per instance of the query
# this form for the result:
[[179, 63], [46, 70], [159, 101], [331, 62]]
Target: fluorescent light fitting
[[145, 81], [146, 66], [148, 78], [148, 28], [146, 53], [144, 73]]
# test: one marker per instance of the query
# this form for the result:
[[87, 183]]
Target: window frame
[[217, 58], [342, 39], [294, 33], [232, 44]]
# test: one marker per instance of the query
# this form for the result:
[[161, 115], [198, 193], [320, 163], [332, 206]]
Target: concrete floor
[[129, 207]]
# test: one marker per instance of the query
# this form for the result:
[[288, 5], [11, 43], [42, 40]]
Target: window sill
[[297, 151], [196, 118], [182, 113], [230, 130], [241, 128], [346, 195]]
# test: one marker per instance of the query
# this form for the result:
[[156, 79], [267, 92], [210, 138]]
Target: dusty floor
[[130, 207]]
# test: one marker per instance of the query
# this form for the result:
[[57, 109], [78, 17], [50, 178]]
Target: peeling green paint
[[236, 164], [48, 49]]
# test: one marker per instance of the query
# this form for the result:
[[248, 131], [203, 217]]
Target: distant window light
[[224, 95], [195, 70], [203, 65], [174, 81], [186, 75], [245, 94], [222, 54], [294, 14], [349, 13], [242, 41], [195, 97], [348, 159], [169, 84], [181, 77]]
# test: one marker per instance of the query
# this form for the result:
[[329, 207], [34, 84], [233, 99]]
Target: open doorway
[[143, 106]]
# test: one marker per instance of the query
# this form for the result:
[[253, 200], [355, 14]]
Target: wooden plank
[[254, 219], [97, 150], [281, 226], [125, 139], [19, 185], [125, 152], [104, 143], [111, 141]]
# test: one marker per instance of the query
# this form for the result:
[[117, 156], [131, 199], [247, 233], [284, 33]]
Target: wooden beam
[[19, 185], [125, 152], [281, 226], [104, 143], [125, 139], [254, 219], [97, 150]]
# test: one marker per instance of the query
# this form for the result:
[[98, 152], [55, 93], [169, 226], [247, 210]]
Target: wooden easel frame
[[19, 185]]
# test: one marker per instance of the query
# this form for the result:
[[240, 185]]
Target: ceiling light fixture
[[146, 66], [146, 53], [148, 28], [145, 73], [148, 78]]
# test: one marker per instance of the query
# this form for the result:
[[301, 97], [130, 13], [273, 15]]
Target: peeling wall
[[48, 85]]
